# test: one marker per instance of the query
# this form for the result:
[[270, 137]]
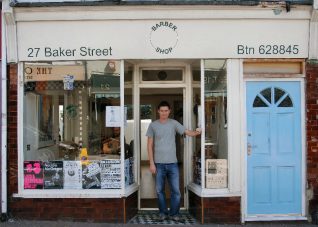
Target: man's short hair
[[163, 103]]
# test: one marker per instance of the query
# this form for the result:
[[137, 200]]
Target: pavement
[[60, 223]]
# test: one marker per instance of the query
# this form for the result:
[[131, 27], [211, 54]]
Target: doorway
[[274, 148], [149, 100]]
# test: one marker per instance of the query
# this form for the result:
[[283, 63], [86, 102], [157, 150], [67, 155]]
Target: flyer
[[53, 175], [110, 174], [72, 174], [33, 175], [91, 175], [113, 116]]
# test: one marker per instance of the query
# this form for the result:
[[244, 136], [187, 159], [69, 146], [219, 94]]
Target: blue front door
[[273, 148]]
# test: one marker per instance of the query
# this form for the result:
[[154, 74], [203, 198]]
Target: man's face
[[116, 131], [164, 112]]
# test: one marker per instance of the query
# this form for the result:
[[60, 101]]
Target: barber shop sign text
[[164, 37]]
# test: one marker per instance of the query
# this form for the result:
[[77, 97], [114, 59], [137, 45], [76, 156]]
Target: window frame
[[234, 97]]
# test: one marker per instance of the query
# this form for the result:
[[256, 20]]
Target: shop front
[[87, 87]]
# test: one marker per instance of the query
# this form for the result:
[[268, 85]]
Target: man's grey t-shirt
[[164, 136]]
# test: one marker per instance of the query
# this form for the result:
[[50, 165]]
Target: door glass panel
[[267, 94], [278, 94], [258, 102], [287, 102]]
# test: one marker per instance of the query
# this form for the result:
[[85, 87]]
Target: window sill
[[84, 193], [205, 192]]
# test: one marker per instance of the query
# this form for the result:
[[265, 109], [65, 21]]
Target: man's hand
[[152, 168], [193, 133]]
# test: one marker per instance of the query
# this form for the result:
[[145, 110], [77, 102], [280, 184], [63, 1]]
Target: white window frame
[[67, 193], [234, 78]]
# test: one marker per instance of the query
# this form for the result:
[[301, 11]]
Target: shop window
[[216, 133], [72, 126]]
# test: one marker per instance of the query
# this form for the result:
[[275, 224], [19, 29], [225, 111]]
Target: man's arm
[[193, 133], [152, 166]]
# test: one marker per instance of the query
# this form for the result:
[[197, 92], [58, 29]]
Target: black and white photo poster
[[53, 175], [91, 175]]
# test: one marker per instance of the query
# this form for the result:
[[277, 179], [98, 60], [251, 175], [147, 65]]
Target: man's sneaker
[[162, 217], [176, 218]]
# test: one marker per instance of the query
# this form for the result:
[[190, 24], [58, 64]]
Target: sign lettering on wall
[[56, 72], [162, 39], [170, 41]]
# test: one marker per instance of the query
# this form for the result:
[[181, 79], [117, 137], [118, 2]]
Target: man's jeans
[[171, 171]]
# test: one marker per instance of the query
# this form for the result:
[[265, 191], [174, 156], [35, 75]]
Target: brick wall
[[12, 130], [131, 206], [73, 209], [215, 210], [195, 206], [222, 210], [312, 131]]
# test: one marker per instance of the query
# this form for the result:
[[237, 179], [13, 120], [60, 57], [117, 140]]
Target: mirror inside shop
[[72, 126]]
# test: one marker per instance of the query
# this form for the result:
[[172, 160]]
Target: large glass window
[[72, 126], [215, 115]]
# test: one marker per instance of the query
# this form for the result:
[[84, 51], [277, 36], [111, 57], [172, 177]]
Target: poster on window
[[110, 174], [53, 175], [113, 116], [129, 171], [33, 175], [72, 174], [91, 174]]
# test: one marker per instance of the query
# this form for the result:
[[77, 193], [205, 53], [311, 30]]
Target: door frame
[[278, 217], [187, 94]]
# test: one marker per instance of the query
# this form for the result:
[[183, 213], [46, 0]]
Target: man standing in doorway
[[163, 161]]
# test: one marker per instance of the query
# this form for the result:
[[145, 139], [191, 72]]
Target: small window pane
[[258, 102], [278, 94], [287, 102], [267, 94], [162, 75]]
